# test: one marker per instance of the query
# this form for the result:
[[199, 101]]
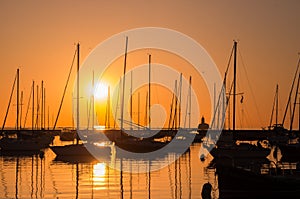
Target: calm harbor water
[[34, 176]]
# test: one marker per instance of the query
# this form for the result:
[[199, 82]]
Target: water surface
[[35, 176]]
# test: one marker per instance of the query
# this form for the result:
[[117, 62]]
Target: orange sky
[[38, 37]]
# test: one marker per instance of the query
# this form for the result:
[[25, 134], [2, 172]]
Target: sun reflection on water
[[99, 175]]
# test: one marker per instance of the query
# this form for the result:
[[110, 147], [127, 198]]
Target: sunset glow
[[44, 53], [150, 99], [101, 91]]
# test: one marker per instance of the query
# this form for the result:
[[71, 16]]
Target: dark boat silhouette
[[288, 139], [242, 150], [22, 140], [290, 151], [82, 150], [67, 134], [245, 182], [89, 149], [226, 145], [17, 144]]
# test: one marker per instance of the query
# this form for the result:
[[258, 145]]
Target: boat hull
[[70, 150], [239, 183], [290, 152], [80, 150], [240, 151], [15, 144]]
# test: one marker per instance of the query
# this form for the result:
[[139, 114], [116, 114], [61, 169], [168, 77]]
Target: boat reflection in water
[[48, 176], [257, 177]]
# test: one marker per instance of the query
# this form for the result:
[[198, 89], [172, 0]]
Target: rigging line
[[123, 86], [251, 90], [294, 105], [28, 107], [174, 124], [171, 107], [37, 107], [219, 103], [9, 102], [291, 91], [62, 99], [117, 103], [229, 61], [217, 107], [271, 119], [223, 90]]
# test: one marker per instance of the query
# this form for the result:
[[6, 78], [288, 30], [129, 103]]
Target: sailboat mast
[[234, 86], [276, 116], [131, 101], [149, 90], [48, 118], [93, 102], [108, 107], [18, 87], [139, 111], [21, 109], [146, 109], [179, 104], [37, 107], [42, 106], [190, 101], [32, 116], [77, 100], [123, 90]]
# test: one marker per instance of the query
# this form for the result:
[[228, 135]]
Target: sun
[[101, 90]]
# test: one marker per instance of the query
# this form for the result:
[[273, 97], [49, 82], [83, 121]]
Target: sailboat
[[18, 143], [256, 178], [80, 149], [290, 145], [226, 145], [129, 142], [139, 141], [278, 134], [35, 133]]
